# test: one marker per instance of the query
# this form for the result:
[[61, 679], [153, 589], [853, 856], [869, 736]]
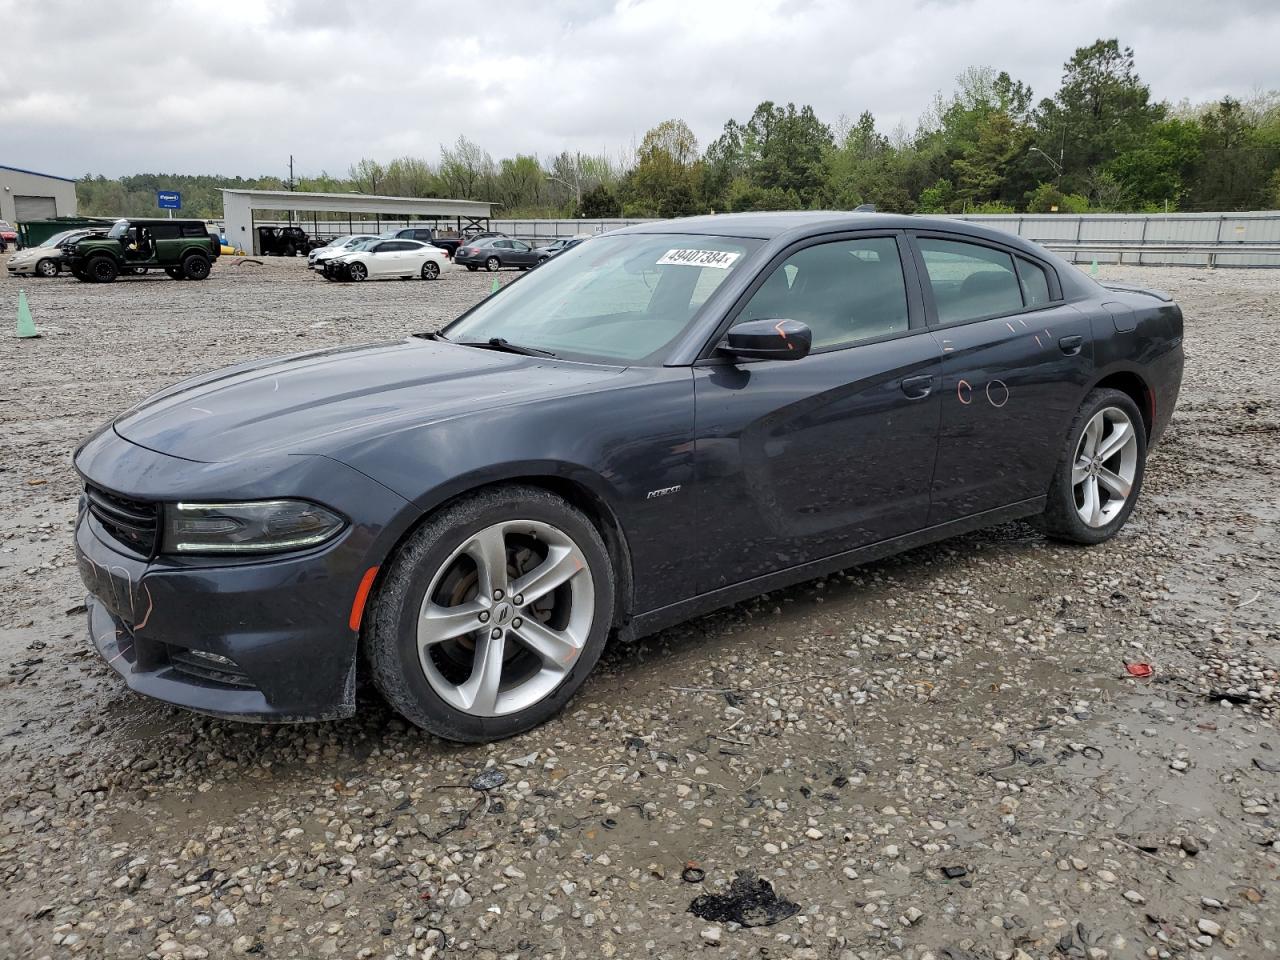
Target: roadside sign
[[169, 199]]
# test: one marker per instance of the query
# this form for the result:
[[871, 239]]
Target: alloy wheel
[[492, 264], [505, 618], [357, 271], [1105, 466], [430, 270], [47, 268]]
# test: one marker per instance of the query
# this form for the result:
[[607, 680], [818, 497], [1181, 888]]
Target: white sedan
[[384, 259], [336, 248]]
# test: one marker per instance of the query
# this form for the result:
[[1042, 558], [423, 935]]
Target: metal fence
[[1193, 239]]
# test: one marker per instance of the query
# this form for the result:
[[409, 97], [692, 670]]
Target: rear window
[[970, 281]]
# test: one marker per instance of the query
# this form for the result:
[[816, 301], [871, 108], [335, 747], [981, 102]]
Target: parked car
[[701, 410], [8, 236], [338, 245], [46, 260], [184, 249], [494, 253], [559, 246], [386, 260], [283, 241], [426, 235]]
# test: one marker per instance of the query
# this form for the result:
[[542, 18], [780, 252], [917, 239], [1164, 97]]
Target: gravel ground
[[936, 756]]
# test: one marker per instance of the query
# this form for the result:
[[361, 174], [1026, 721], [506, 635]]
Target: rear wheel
[[430, 270], [47, 268], [1100, 472], [290, 250], [492, 264], [472, 267], [102, 269], [492, 614], [196, 266]]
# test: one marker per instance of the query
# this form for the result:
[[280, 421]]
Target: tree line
[[1099, 143]]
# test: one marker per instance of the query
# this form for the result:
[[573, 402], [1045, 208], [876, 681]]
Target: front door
[[801, 460], [1015, 362]]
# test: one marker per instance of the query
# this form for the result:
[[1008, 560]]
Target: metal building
[[238, 208], [27, 195]]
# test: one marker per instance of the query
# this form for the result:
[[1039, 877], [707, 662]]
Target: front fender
[[624, 443]]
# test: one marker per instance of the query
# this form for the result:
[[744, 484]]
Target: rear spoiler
[[1134, 288]]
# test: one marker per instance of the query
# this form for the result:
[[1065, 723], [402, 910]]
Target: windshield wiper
[[499, 343]]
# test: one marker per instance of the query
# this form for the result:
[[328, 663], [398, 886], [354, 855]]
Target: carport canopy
[[238, 207]]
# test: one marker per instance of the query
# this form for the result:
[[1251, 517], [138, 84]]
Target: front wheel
[[102, 270], [1099, 474], [472, 267], [47, 268], [430, 270], [492, 264], [491, 615], [357, 272]]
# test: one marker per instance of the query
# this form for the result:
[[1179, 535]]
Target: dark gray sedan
[[678, 416], [494, 253]]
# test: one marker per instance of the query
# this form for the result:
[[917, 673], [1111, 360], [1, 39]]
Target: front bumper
[[256, 638], [21, 269]]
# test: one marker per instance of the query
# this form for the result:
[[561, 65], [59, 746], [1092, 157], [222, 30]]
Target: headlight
[[264, 526]]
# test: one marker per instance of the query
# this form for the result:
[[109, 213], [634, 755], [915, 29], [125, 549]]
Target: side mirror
[[768, 340]]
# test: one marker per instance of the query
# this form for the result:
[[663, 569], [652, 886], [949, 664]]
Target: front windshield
[[119, 230], [621, 298], [339, 241]]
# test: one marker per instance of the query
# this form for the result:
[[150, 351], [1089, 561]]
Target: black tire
[[174, 273], [472, 267], [492, 264], [430, 270], [196, 266], [47, 268], [290, 250], [357, 272], [79, 274], [101, 269], [1061, 519], [390, 639]]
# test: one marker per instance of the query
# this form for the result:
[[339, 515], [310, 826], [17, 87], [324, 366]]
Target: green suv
[[184, 249]]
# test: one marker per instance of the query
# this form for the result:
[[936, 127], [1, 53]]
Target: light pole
[[575, 187], [1057, 164]]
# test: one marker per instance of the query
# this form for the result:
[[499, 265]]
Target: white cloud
[[150, 86]]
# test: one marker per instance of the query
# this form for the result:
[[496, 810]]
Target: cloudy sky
[[235, 88]]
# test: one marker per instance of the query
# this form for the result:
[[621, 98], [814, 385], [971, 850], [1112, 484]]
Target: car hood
[[320, 402], [32, 254]]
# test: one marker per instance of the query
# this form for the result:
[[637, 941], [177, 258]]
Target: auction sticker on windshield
[[720, 259]]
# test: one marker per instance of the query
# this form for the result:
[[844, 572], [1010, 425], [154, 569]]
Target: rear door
[[1015, 360], [804, 459]]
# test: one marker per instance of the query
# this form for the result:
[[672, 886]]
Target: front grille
[[134, 523], [211, 668]]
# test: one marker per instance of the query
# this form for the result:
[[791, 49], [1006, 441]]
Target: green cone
[[496, 286], [26, 326], [1093, 267]]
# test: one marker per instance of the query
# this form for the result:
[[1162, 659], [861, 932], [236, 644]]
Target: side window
[[164, 231], [520, 245], [846, 292], [388, 246], [1035, 283], [969, 281]]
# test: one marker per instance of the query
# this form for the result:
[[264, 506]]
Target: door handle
[[917, 388], [1071, 345]]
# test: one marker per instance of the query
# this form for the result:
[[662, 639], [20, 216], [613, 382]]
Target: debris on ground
[[750, 902]]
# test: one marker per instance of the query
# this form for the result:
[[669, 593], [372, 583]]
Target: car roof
[[767, 226]]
